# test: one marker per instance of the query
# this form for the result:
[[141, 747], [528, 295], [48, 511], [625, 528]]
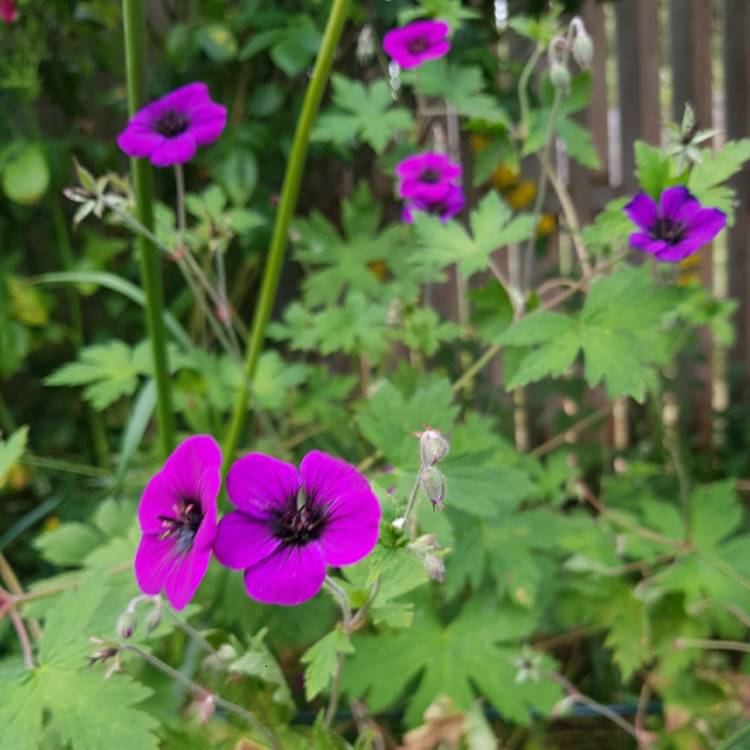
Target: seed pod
[[433, 447], [433, 483], [434, 567]]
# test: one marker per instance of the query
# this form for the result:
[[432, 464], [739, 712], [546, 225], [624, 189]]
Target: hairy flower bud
[[434, 567], [433, 484], [425, 543], [154, 617], [433, 447], [560, 76], [127, 622], [583, 49]]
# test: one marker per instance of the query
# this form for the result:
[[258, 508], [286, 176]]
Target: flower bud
[[583, 49], [434, 567], [425, 543], [126, 624], [399, 523], [560, 76], [433, 447], [154, 617], [433, 484]]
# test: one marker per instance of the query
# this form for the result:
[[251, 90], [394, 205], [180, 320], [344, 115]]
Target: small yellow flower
[[379, 269], [478, 142], [521, 196], [504, 177], [51, 523], [547, 225]]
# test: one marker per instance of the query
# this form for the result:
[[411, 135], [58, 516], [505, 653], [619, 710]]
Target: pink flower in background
[[8, 11], [445, 207], [676, 227], [177, 515], [169, 130], [290, 524], [427, 176], [418, 42]]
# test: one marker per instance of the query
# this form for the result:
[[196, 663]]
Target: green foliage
[[653, 169], [322, 661], [11, 451], [258, 661], [62, 696], [493, 226], [361, 112], [620, 331], [706, 178], [450, 660], [24, 172]]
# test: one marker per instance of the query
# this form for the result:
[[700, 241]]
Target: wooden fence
[[663, 54]]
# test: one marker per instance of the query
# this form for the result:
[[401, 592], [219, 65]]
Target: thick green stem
[[148, 255], [287, 204]]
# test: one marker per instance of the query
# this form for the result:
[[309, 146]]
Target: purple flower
[[290, 524], [426, 176], [676, 227], [178, 519], [169, 130], [448, 205], [417, 42]]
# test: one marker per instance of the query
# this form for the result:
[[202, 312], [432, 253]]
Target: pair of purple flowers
[[289, 523], [429, 183]]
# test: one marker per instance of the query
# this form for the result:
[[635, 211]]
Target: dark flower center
[[183, 525], [418, 45], [297, 524], [172, 123], [669, 230], [431, 176]]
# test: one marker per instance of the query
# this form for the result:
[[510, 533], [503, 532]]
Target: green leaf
[[25, 174], [653, 169], [491, 311], [11, 451], [108, 371], [296, 46], [715, 168], [238, 175], [492, 226], [610, 228], [68, 544], [85, 710], [361, 112], [716, 512], [258, 661], [462, 86], [450, 659], [322, 661]]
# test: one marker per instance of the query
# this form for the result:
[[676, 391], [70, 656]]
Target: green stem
[[287, 204], [409, 525], [737, 740], [148, 256]]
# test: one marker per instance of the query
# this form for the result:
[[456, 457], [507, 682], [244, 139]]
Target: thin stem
[[191, 632], [10, 579], [148, 256], [335, 690], [411, 504], [571, 432], [523, 84], [341, 599], [55, 464], [712, 645], [194, 687], [179, 181], [737, 740], [287, 204], [23, 638], [576, 695]]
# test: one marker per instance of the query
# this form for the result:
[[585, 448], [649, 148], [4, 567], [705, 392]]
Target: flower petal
[[706, 224], [642, 211], [259, 484], [672, 201], [679, 251], [289, 576], [139, 140], [154, 560], [186, 98], [208, 123], [647, 244], [243, 540], [175, 150], [183, 580], [353, 510]]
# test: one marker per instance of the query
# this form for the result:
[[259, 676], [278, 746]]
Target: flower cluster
[[429, 183], [169, 130], [417, 42], [288, 525], [676, 227]]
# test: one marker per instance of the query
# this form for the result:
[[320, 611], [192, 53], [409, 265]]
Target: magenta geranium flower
[[426, 176], [417, 42], [446, 206], [675, 228], [169, 130], [177, 515], [8, 11], [289, 524]]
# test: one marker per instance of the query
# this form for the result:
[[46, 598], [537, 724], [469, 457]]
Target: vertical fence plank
[[638, 54], [736, 32]]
